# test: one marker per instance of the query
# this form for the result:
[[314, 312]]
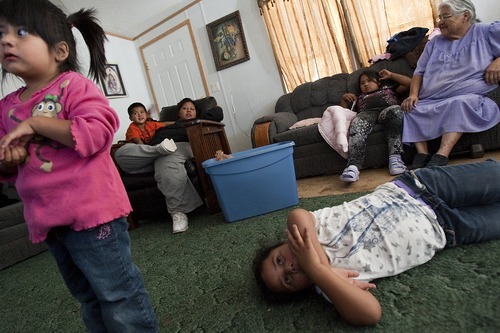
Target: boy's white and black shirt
[[380, 234]]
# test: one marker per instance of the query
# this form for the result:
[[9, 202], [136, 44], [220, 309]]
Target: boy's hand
[[302, 248], [349, 276]]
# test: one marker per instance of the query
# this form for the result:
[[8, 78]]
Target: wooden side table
[[206, 137]]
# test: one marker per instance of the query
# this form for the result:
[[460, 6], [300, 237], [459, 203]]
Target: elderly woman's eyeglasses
[[443, 18]]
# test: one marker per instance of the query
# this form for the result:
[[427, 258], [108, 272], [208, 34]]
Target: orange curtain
[[372, 23], [305, 46], [316, 38]]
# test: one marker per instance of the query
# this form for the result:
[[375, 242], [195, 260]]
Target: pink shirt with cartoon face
[[60, 186]]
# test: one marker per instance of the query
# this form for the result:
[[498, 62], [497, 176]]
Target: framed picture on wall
[[227, 40], [113, 84]]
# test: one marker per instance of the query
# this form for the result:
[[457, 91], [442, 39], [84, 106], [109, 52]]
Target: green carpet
[[201, 281]]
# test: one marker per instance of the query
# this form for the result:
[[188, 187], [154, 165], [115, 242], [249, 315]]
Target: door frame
[[197, 54]]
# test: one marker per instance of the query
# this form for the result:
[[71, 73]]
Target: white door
[[173, 67]]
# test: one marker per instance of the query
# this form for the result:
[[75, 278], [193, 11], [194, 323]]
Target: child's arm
[[351, 299], [12, 145], [304, 220], [403, 80], [52, 128], [347, 100]]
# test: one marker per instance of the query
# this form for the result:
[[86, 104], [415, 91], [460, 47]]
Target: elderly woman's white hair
[[460, 6]]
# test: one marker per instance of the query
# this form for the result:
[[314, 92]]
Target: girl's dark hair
[[44, 19], [134, 105], [269, 294], [184, 101], [371, 75]]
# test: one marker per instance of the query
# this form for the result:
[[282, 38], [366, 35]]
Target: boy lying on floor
[[401, 225]]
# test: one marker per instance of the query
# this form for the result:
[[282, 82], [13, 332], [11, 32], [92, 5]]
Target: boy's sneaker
[[166, 147], [396, 165], [180, 222]]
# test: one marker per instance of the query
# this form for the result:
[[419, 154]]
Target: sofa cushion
[[328, 90], [337, 88], [325, 91], [313, 112], [305, 122], [300, 98]]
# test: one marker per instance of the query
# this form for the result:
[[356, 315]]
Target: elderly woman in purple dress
[[454, 73]]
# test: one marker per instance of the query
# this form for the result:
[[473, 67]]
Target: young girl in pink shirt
[[56, 133]]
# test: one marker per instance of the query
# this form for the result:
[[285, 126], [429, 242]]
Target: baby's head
[[137, 113], [278, 275], [369, 81]]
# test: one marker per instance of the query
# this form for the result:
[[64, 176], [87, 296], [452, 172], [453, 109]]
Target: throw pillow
[[305, 122]]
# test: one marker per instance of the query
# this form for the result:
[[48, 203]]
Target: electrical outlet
[[214, 86]]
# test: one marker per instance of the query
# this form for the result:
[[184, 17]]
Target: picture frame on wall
[[227, 41], [113, 84]]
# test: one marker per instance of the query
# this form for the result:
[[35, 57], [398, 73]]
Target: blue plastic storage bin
[[254, 181]]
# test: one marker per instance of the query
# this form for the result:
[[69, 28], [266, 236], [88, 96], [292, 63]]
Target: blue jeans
[[465, 198], [97, 267]]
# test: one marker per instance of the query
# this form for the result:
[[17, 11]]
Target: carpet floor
[[201, 281]]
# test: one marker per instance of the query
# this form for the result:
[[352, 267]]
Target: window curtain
[[316, 38], [305, 40]]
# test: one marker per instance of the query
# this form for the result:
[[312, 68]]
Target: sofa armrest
[[265, 128], [260, 134], [282, 120]]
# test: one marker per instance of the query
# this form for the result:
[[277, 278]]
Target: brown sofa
[[313, 156]]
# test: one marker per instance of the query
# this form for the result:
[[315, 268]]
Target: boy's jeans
[[97, 267], [466, 199]]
